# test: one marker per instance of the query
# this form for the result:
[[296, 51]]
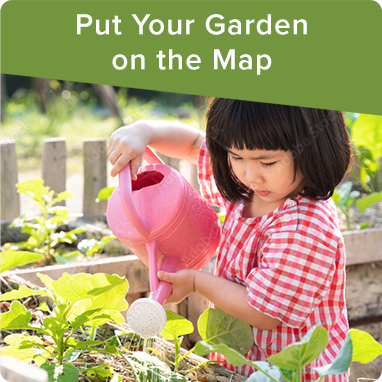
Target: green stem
[[187, 354], [299, 375], [177, 354], [356, 218], [93, 332], [60, 350], [83, 332]]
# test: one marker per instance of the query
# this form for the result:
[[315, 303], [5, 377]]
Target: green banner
[[323, 54]]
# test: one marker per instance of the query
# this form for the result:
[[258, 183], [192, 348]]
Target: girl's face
[[270, 174]]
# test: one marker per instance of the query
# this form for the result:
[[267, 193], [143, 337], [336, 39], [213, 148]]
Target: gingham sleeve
[[295, 274], [206, 179]]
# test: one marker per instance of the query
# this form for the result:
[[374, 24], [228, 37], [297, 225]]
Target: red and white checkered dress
[[292, 262]]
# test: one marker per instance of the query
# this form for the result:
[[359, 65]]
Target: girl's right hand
[[127, 144]]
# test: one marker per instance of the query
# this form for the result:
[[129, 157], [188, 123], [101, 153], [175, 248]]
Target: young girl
[[281, 261]]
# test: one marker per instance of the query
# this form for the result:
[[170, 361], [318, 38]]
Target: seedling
[[344, 198], [80, 302], [41, 226]]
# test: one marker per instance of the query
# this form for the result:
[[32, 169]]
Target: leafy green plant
[[79, 302], [215, 327], [344, 198], [359, 346], [41, 226], [105, 193], [10, 259], [366, 133]]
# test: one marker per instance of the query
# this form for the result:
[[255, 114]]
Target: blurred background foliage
[[34, 109]]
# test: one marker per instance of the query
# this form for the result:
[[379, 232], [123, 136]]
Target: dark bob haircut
[[317, 139]]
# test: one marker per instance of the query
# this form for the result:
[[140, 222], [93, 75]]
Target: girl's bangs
[[249, 125]]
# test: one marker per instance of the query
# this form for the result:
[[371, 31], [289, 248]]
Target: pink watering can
[[168, 225]]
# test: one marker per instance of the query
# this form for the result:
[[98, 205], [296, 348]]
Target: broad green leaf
[[176, 326], [102, 371], [10, 259], [80, 307], [259, 376], [39, 360], [105, 291], [62, 196], [341, 363], [215, 326], [23, 292], [300, 354], [17, 318], [64, 237], [64, 373], [364, 225], [78, 230], [78, 320], [49, 284], [33, 188], [365, 347], [25, 355], [67, 257], [57, 220], [22, 341], [289, 375], [55, 327], [105, 193], [72, 355], [369, 201], [58, 210], [108, 315], [367, 132], [85, 344]]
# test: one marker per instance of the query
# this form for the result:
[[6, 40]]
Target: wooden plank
[[136, 273], [54, 164], [363, 246], [95, 178], [10, 199], [13, 370]]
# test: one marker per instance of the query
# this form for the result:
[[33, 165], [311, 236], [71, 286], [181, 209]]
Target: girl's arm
[[173, 139], [227, 295]]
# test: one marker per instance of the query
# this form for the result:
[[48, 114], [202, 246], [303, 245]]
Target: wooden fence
[[54, 173]]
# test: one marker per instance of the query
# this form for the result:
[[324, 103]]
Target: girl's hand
[[127, 144], [183, 284]]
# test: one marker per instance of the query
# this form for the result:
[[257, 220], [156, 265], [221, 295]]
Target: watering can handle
[[126, 194], [151, 157]]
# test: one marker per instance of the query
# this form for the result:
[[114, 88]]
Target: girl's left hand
[[183, 284]]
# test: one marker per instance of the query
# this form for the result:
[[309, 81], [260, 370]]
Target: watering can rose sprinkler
[[168, 225]]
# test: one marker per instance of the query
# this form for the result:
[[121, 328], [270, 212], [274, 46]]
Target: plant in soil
[[80, 302], [42, 226], [344, 198], [365, 132], [359, 346]]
